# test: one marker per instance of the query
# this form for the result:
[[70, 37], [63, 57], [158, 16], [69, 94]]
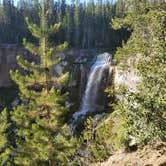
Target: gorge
[[90, 74]]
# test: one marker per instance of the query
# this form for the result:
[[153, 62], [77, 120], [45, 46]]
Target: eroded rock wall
[[127, 76], [8, 55]]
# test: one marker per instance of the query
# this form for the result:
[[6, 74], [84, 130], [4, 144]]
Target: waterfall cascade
[[89, 100]]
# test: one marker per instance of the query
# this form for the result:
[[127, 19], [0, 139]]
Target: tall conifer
[[4, 148], [43, 137]]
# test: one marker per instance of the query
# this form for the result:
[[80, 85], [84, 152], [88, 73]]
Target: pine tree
[[120, 8], [4, 146], [70, 23], [43, 137], [78, 21], [96, 140]]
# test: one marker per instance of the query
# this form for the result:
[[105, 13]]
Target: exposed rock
[[127, 77], [15, 103], [58, 70], [80, 60], [8, 53], [132, 141], [68, 104], [99, 116], [64, 63]]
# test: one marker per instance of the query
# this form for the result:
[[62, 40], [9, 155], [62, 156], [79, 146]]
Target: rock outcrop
[[127, 76], [8, 55]]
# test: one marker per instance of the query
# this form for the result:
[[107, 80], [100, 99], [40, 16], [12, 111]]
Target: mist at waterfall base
[[89, 101]]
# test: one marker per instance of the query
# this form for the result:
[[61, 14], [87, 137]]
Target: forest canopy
[[84, 25]]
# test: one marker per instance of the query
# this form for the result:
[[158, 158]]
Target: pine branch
[[34, 29], [31, 48], [27, 65], [54, 28]]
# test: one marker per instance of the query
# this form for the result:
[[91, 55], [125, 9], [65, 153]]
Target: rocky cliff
[[8, 53]]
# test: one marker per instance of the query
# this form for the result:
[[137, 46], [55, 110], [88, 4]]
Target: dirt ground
[[147, 156]]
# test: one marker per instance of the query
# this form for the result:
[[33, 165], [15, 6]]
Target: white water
[[93, 85]]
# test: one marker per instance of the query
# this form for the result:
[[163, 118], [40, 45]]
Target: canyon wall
[[76, 61], [8, 55], [128, 76]]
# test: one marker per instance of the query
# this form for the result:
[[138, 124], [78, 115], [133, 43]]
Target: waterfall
[[89, 100]]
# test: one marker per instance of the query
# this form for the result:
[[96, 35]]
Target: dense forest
[[42, 128], [84, 25]]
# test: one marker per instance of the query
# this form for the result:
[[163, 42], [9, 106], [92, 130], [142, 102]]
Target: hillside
[[146, 156]]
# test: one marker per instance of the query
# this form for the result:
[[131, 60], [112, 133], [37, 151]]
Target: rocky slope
[[147, 156]]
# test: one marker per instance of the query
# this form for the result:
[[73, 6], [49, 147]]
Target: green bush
[[96, 140], [142, 113]]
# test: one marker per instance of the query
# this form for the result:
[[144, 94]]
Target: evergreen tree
[[43, 138], [143, 112], [8, 28], [70, 23], [78, 21], [90, 23], [81, 21], [120, 6], [4, 146], [96, 139]]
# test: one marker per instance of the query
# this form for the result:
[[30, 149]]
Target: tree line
[[84, 25]]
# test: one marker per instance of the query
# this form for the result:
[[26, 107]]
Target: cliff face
[[79, 62], [76, 62], [127, 76], [8, 55]]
